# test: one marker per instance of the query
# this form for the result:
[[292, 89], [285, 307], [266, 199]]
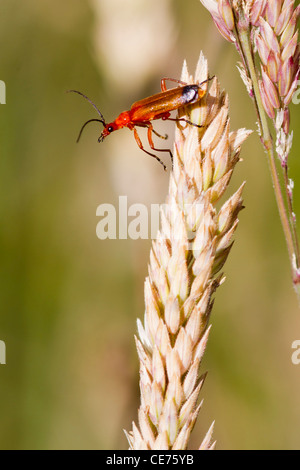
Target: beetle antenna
[[207, 80], [87, 122], [93, 104]]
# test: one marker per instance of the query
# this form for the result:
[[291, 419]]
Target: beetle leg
[[184, 120], [164, 86], [150, 130], [139, 142], [160, 136]]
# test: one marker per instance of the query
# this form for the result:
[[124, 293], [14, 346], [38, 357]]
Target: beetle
[[142, 112]]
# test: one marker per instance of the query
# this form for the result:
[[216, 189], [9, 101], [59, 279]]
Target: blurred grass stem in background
[[268, 27]]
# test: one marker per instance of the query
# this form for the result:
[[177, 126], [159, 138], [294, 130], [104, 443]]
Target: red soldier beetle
[[154, 107]]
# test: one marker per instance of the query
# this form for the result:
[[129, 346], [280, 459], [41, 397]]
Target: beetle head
[[108, 129]]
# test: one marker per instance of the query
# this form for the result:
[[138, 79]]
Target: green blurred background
[[69, 301]]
